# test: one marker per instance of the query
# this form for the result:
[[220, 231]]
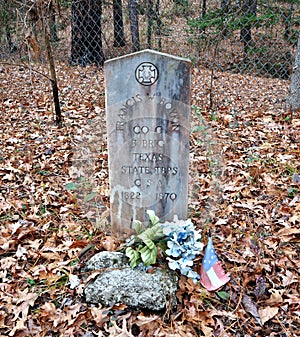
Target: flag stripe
[[214, 278]]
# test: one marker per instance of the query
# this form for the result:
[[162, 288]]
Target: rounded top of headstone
[[147, 52]]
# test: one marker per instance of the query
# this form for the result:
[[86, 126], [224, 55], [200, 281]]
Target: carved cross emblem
[[146, 73]]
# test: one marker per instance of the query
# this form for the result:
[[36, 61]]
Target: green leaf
[[71, 186], [158, 232], [147, 237], [153, 218], [30, 282], [138, 226], [223, 295], [148, 256], [152, 233], [149, 243], [148, 234], [133, 256], [90, 196]]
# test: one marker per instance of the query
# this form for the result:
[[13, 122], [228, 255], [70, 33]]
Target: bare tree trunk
[[248, 10], [86, 32], [287, 21], [225, 6], [159, 24], [294, 99], [204, 8], [52, 22], [119, 38], [43, 13], [149, 14], [12, 47], [134, 24]]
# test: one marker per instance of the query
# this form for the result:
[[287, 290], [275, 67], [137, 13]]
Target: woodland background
[[244, 172]]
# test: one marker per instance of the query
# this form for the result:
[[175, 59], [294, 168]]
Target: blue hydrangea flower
[[183, 246], [175, 249], [191, 274], [173, 264]]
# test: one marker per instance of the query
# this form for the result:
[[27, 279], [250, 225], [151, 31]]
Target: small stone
[[104, 260]]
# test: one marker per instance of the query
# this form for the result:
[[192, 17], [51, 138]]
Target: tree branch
[[28, 67]]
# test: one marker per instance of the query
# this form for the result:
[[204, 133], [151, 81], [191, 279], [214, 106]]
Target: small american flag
[[212, 275]]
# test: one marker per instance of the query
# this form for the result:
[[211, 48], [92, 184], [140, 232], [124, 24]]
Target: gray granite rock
[[104, 260], [119, 283]]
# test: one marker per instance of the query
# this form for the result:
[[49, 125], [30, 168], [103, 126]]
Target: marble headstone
[[147, 114]]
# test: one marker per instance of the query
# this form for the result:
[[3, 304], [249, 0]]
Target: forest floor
[[253, 211]]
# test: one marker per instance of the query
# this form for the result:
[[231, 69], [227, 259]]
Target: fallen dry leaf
[[251, 307], [267, 313], [244, 186], [275, 298]]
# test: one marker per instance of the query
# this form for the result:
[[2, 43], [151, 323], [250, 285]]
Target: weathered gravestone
[[147, 108]]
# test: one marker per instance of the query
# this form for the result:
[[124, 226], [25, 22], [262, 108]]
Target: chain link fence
[[243, 52], [236, 36]]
